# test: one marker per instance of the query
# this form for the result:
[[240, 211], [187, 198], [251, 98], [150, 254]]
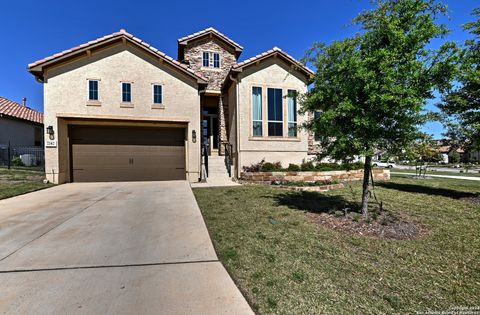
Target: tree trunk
[[366, 181]]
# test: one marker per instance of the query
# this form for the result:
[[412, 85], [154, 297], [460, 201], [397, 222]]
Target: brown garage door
[[126, 153]]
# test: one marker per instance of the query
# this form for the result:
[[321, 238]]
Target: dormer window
[[211, 59]]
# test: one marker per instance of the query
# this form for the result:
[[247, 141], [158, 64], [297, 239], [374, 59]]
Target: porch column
[[222, 124]]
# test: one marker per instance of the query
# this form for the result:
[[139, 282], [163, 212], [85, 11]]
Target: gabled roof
[[36, 67], [15, 110], [211, 31], [270, 53], [274, 52]]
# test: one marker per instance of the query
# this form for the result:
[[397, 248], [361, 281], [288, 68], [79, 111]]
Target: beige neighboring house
[[20, 125], [118, 109]]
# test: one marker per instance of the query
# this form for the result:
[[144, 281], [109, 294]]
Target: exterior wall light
[[194, 136], [50, 132]]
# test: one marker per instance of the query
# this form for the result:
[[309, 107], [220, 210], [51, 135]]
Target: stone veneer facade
[[313, 146], [193, 55], [342, 176]]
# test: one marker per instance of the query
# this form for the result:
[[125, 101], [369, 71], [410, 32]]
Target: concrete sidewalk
[[111, 248], [441, 176]]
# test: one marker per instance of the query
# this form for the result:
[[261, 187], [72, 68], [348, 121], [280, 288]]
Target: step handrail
[[228, 158], [205, 158]]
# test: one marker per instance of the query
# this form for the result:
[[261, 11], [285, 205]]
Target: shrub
[[293, 167], [17, 161], [267, 167], [455, 158], [325, 167], [307, 167], [352, 166], [271, 167], [255, 167]]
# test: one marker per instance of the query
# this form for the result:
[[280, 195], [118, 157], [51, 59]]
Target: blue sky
[[33, 29]]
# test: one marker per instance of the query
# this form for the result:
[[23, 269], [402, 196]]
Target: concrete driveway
[[111, 248]]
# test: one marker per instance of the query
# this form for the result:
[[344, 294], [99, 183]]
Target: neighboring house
[[20, 125], [119, 109], [465, 156]]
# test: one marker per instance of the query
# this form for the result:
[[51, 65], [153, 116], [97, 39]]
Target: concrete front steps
[[217, 174]]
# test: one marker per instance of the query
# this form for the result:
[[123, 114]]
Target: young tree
[[455, 157], [463, 102], [371, 88], [423, 151]]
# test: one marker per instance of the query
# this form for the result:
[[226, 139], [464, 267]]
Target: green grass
[[438, 173], [15, 182], [286, 264]]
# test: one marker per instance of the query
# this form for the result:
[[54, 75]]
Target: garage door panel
[[127, 162]]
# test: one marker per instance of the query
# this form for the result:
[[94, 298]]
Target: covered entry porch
[[213, 119]]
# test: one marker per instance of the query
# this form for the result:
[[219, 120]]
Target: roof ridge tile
[[210, 29], [122, 32], [269, 52], [16, 110]]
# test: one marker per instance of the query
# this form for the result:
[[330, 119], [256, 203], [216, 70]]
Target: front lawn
[[19, 181], [285, 263]]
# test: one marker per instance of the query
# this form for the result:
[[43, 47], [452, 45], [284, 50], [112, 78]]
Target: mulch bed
[[385, 226]]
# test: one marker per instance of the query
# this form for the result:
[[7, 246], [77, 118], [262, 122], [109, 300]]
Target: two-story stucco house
[[118, 109]]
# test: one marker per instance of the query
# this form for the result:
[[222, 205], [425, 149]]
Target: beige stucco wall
[[66, 92], [271, 73]]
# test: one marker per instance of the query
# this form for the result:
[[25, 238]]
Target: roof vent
[[24, 101]]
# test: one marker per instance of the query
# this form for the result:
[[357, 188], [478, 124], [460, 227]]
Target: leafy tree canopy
[[463, 101], [371, 88]]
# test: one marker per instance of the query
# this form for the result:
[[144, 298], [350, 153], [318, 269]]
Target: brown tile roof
[[119, 34], [210, 30], [448, 149], [13, 109], [269, 53]]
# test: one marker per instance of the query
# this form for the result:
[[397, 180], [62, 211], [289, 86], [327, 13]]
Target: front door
[[210, 131]]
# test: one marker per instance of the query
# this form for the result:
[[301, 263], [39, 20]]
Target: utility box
[[28, 159]]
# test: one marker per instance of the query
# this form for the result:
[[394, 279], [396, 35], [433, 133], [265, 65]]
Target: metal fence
[[22, 156]]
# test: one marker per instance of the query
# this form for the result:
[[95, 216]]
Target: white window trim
[[211, 60], [89, 101], [162, 104], [288, 116], [131, 92], [261, 106], [276, 121], [219, 60]]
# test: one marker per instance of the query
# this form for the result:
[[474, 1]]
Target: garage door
[[126, 153]]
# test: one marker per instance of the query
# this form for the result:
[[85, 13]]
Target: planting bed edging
[[340, 176]]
